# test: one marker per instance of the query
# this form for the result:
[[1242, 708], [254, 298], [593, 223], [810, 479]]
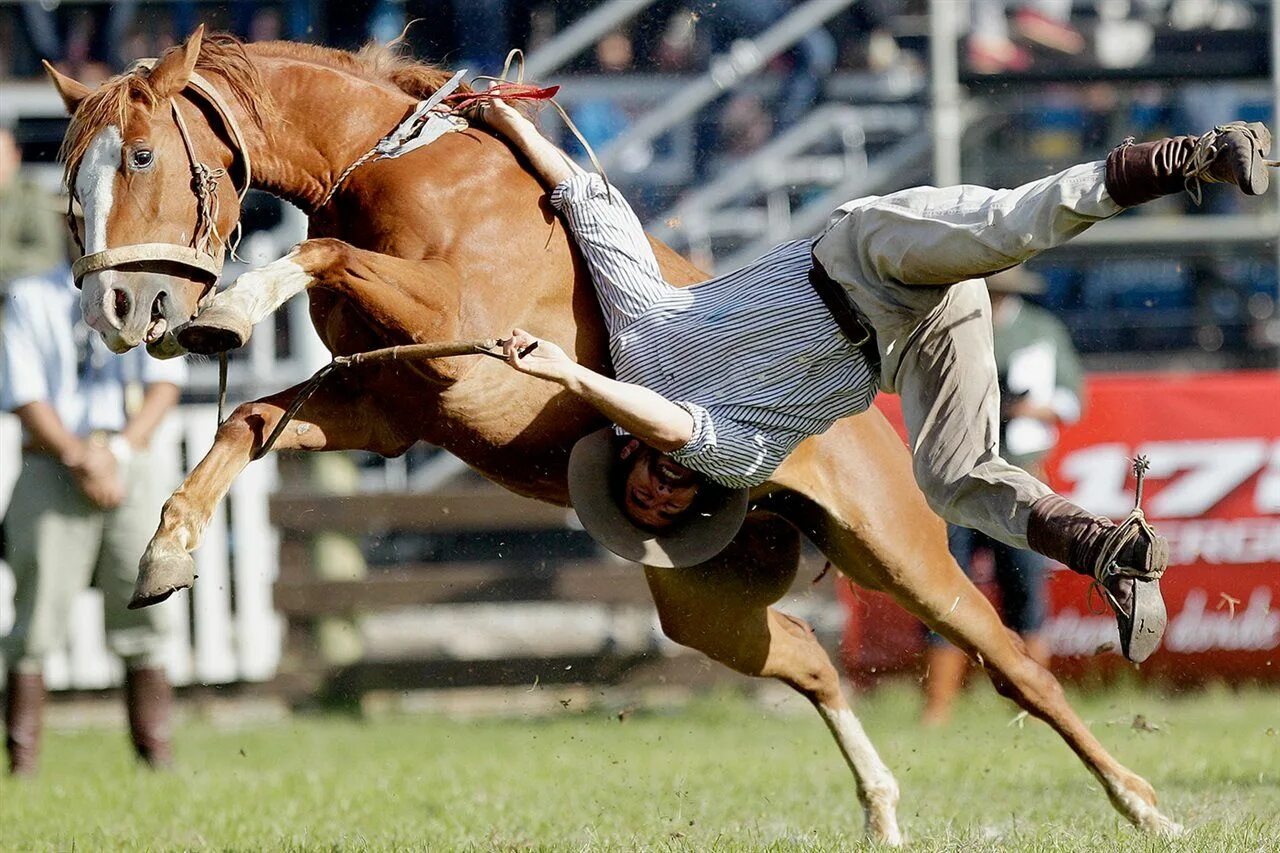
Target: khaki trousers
[[59, 544], [910, 261]]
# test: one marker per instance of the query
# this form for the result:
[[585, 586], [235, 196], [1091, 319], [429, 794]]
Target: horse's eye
[[141, 158]]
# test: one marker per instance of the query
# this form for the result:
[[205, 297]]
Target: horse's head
[[150, 170]]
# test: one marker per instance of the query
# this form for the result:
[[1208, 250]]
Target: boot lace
[[1207, 148]]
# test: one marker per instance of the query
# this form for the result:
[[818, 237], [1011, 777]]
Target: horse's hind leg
[[408, 301], [906, 555], [975, 627], [333, 418], [722, 610]]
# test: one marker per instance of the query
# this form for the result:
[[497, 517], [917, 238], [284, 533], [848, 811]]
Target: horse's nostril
[[120, 304]]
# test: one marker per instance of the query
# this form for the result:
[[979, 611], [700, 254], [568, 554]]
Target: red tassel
[[506, 91]]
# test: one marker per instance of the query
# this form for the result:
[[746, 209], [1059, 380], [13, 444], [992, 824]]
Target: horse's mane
[[384, 64], [226, 57]]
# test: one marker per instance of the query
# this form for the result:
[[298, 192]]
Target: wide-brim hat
[[712, 523], [1016, 280]]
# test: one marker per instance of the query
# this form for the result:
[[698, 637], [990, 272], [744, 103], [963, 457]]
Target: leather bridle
[[202, 258]]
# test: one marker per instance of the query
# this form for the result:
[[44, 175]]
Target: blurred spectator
[[601, 119], [745, 126], [484, 34], [728, 22], [1207, 14], [84, 40], [84, 505], [472, 34], [31, 232], [1040, 386], [1046, 23], [876, 49], [252, 21]]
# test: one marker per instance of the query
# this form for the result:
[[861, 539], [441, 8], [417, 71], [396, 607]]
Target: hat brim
[[694, 540]]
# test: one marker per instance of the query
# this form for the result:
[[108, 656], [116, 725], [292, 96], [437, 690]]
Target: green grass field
[[723, 774]]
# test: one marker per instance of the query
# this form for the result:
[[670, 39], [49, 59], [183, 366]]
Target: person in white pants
[[705, 408], [83, 507]]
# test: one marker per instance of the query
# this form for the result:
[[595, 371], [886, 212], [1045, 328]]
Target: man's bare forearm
[[159, 398], [549, 163], [646, 414], [48, 434]]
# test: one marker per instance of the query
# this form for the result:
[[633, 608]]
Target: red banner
[[1213, 490]]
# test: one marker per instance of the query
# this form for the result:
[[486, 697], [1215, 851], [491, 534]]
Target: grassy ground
[[724, 774]]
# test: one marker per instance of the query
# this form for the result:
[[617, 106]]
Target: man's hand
[[646, 414], [506, 119], [98, 474], [548, 162], [539, 358]]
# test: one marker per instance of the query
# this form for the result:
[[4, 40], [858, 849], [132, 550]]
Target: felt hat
[[714, 520]]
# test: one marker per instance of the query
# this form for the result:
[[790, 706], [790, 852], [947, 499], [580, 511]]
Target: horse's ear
[[72, 91], [173, 71]]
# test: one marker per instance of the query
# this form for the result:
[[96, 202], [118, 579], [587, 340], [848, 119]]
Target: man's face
[[658, 490]]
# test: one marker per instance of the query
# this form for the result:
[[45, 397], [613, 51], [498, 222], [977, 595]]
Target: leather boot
[[1124, 562], [24, 712], [149, 698], [1229, 154]]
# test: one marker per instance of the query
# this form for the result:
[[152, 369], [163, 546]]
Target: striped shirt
[[47, 353], [753, 355]]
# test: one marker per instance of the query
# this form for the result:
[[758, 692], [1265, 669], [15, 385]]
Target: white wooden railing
[[226, 629]]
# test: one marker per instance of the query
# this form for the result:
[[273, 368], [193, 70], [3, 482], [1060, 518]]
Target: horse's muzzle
[[132, 308]]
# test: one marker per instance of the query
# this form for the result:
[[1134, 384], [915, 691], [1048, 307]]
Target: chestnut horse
[[456, 241]]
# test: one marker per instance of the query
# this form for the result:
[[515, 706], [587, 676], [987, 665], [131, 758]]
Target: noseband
[[198, 259]]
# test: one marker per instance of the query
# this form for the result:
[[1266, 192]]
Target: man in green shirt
[[32, 235], [1041, 383]]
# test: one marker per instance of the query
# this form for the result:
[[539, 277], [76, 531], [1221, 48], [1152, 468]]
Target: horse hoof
[[214, 330], [161, 573]]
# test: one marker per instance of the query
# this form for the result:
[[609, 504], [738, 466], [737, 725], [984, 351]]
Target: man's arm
[[549, 163], [650, 417], [24, 390], [93, 465], [729, 452], [158, 399], [47, 434], [623, 267]]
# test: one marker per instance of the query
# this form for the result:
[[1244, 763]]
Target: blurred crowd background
[[1055, 82], [731, 125]]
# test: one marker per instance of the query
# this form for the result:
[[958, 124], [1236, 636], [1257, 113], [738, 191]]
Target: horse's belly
[[513, 429]]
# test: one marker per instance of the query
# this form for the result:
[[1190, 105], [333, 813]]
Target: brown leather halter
[[202, 259]]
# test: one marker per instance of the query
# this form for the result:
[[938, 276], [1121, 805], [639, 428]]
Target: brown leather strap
[[239, 150], [205, 266], [202, 259], [206, 90], [851, 321]]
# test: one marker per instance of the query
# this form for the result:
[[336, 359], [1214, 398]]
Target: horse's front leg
[[408, 300], [333, 418]]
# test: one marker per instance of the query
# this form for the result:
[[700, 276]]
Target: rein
[[202, 257], [491, 347]]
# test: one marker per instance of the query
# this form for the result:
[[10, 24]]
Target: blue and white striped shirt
[[753, 355], [47, 353]]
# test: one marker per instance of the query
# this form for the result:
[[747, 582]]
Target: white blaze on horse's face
[[126, 204], [95, 190]]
